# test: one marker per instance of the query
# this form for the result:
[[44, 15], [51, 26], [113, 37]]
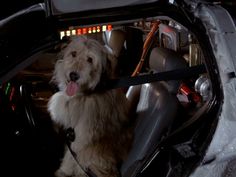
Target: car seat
[[156, 108]]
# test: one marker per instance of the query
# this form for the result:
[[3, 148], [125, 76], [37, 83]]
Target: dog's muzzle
[[72, 86], [74, 76]]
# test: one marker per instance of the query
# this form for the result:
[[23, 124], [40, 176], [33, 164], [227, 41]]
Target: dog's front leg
[[67, 167], [108, 171], [58, 109]]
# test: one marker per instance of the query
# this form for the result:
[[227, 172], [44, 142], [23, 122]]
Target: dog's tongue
[[72, 88]]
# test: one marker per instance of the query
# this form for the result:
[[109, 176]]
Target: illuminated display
[[85, 30]]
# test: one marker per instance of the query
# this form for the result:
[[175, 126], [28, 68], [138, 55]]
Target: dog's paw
[[57, 108], [60, 173]]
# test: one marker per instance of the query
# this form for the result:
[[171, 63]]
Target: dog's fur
[[99, 118]]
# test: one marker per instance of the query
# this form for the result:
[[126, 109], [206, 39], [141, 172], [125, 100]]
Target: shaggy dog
[[100, 118]]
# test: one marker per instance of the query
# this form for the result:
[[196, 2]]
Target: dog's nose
[[74, 76]]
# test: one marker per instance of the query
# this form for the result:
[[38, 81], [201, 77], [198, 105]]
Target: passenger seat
[[156, 108]]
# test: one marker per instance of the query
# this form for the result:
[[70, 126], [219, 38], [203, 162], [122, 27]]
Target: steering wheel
[[25, 93]]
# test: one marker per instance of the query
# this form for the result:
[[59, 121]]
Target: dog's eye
[[90, 60], [73, 53]]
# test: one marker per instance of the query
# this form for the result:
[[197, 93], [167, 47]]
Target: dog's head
[[84, 64]]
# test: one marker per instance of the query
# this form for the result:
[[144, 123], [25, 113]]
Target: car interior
[[163, 109]]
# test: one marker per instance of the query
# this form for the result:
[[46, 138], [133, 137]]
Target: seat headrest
[[162, 59]]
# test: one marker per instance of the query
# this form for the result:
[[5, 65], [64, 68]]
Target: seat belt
[[70, 137], [177, 74]]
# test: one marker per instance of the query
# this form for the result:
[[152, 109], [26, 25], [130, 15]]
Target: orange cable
[[146, 45]]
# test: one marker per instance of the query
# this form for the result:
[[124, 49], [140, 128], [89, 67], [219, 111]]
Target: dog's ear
[[59, 48], [54, 83], [108, 71], [60, 53]]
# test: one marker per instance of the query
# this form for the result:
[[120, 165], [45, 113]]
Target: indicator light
[[7, 88], [94, 30], [62, 34], [79, 31], [12, 93], [86, 30], [104, 27], [73, 32], [90, 30], [13, 107], [68, 33], [109, 27], [98, 29]]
